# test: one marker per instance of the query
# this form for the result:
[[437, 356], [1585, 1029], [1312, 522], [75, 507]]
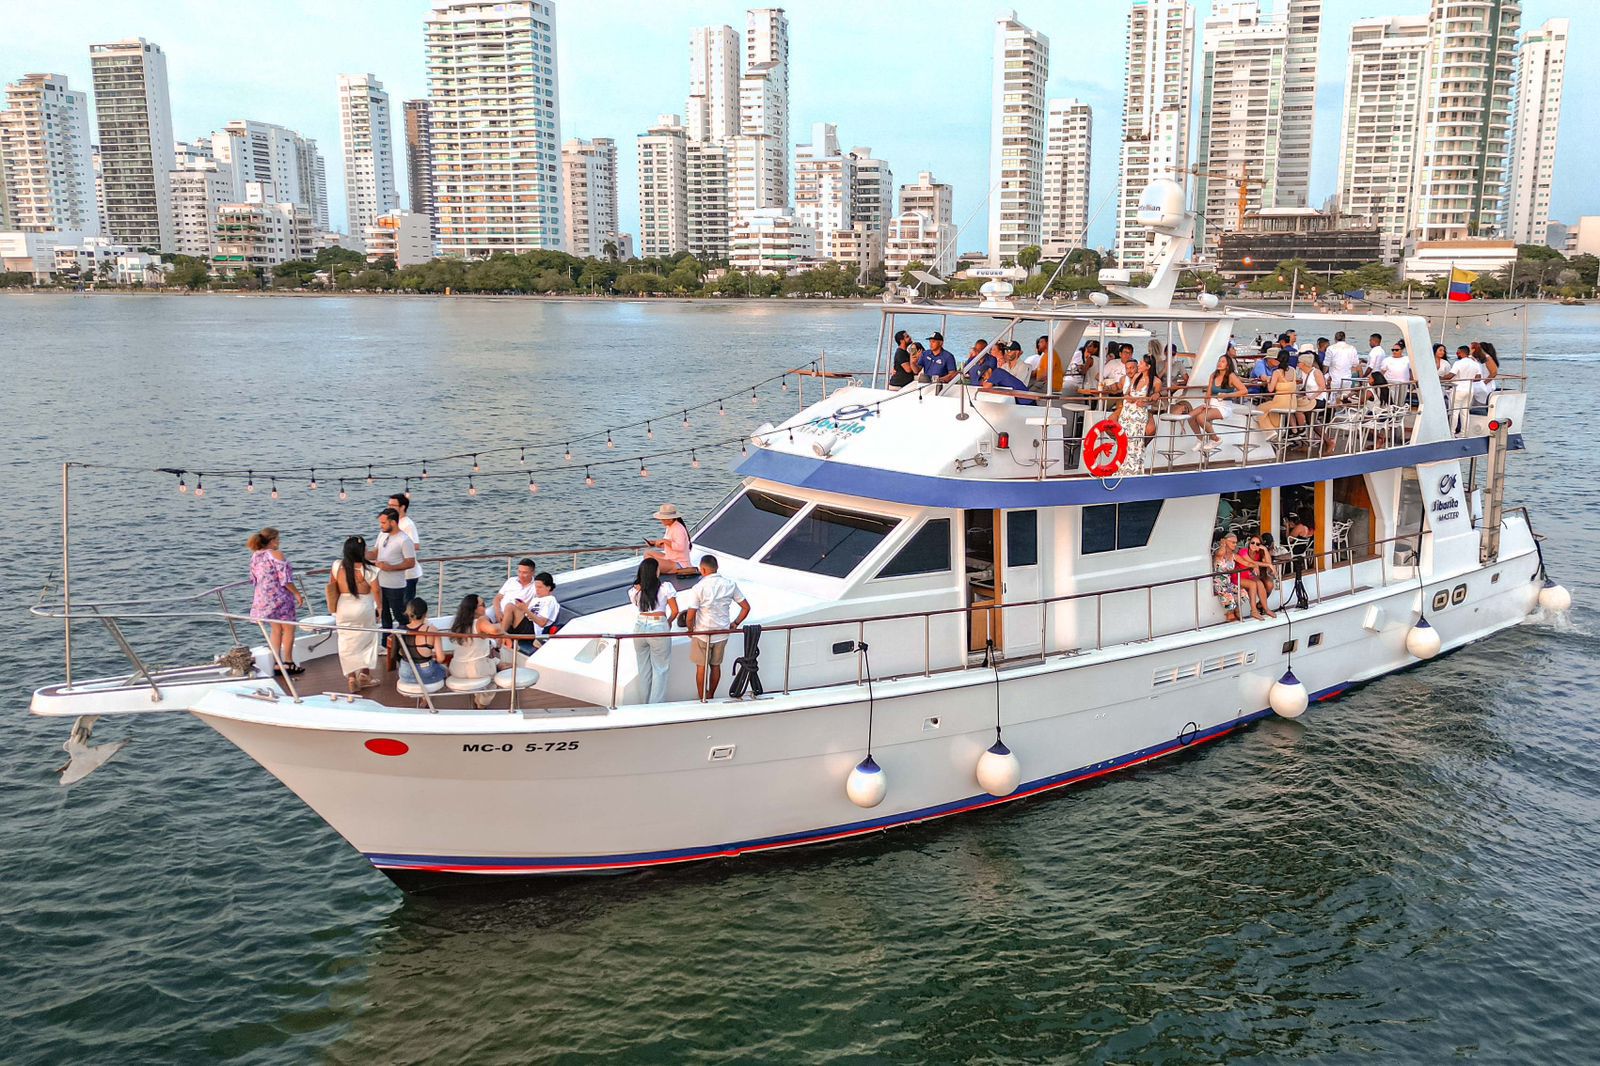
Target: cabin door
[[982, 550], [1020, 583]]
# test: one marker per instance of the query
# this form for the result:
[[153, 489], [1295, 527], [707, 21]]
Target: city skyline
[[837, 75]]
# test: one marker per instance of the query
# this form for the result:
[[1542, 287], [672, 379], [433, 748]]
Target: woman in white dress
[[1138, 424], [474, 656], [353, 599]]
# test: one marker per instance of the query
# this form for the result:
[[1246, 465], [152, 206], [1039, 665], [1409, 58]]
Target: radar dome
[[1161, 204]]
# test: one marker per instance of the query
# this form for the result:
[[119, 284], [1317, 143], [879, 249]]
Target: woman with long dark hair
[[473, 655], [657, 604], [672, 550], [425, 646], [353, 599]]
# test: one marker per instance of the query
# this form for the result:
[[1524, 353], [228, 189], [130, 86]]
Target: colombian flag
[[1461, 285]]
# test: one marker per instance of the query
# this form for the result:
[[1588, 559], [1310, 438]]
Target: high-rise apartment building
[[770, 241], [713, 112], [495, 120], [707, 188], [1155, 112], [200, 186], [1466, 120], [46, 164], [1256, 111], [924, 230], [590, 183], [1382, 119], [872, 197], [1017, 139], [265, 153], [368, 135], [1069, 129], [761, 151], [135, 125], [663, 189], [1536, 111], [419, 161], [824, 185], [260, 232]]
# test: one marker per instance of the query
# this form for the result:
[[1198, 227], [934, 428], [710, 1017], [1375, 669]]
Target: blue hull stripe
[[923, 490], [559, 864]]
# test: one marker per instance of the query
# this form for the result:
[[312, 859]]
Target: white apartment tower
[[1257, 108], [1382, 118], [1066, 177], [1536, 109], [706, 186], [1465, 131], [924, 231], [46, 165], [494, 120], [590, 181], [663, 190], [1155, 112], [268, 154], [872, 197], [824, 186], [368, 135], [713, 113], [1017, 139], [760, 160], [135, 123]]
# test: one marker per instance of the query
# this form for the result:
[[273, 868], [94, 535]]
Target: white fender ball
[[1422, 640], [867, 784], [999, 772], [1288, 698], [1554, 598]]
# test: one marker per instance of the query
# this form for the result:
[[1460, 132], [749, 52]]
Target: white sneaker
[[1209, 446]]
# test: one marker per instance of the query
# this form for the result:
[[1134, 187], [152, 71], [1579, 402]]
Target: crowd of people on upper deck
[[1294, 384], [372, 594]]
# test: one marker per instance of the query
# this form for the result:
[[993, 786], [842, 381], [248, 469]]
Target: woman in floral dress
[[276, 595]]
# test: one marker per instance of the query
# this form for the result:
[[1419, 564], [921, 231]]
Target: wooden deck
[[323, 675]]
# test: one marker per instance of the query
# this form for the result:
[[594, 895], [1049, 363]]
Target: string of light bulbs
[[370, 471], [384, 471]]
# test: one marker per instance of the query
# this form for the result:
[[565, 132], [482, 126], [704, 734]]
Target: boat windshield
[[748, 523], [830, 542]]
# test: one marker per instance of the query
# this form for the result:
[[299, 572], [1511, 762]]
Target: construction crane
[[1242, 180]]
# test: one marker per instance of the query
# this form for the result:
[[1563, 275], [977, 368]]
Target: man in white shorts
[[710, 607]]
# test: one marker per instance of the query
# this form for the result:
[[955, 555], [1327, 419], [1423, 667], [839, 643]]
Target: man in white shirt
[[401, 501], [1342, 362], [1375, 353], [525, 605], [1463, 372], [393, 556], [1396, 370], [710, 607]]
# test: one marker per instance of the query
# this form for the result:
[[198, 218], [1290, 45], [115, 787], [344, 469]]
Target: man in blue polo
[[938, 365]]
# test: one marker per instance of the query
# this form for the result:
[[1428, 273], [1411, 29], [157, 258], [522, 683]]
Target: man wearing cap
[[1262, 372], [938, 365], [672, 550]]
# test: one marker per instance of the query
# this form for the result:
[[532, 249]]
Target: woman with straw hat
[[672, 550]]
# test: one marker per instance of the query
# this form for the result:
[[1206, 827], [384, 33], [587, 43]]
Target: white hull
[[602, 790]]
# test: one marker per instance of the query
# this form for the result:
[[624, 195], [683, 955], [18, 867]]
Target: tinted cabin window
[[1022, 538], [830, 542], [1114, 526], [747, 524], [927, 552]]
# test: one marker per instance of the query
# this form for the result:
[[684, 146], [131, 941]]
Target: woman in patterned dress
[[276, 595]]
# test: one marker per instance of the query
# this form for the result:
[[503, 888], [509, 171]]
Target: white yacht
[[966, 596]]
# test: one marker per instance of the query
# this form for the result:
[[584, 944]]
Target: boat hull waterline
[[479, 796]]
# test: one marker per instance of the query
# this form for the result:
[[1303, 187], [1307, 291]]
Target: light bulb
[[424, 471], [694, 461], [649, 431], [609, 442], [785, 384], [686, 420], [569, 453], [274, 488], [588, 478], [753, 398], [723, 411], [532, 485], [343, 495], [183, 486], [250, 486], [522, 456], [199, 486], [472, 490], [643, 472], [369, 475]]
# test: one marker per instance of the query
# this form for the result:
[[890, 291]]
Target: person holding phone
[[672, 550]]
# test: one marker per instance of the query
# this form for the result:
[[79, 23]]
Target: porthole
[[1289, 646], [1441, 599], [1314, 640], [1459, 593]]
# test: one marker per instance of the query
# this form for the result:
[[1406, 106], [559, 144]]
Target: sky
[[909, 78]]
